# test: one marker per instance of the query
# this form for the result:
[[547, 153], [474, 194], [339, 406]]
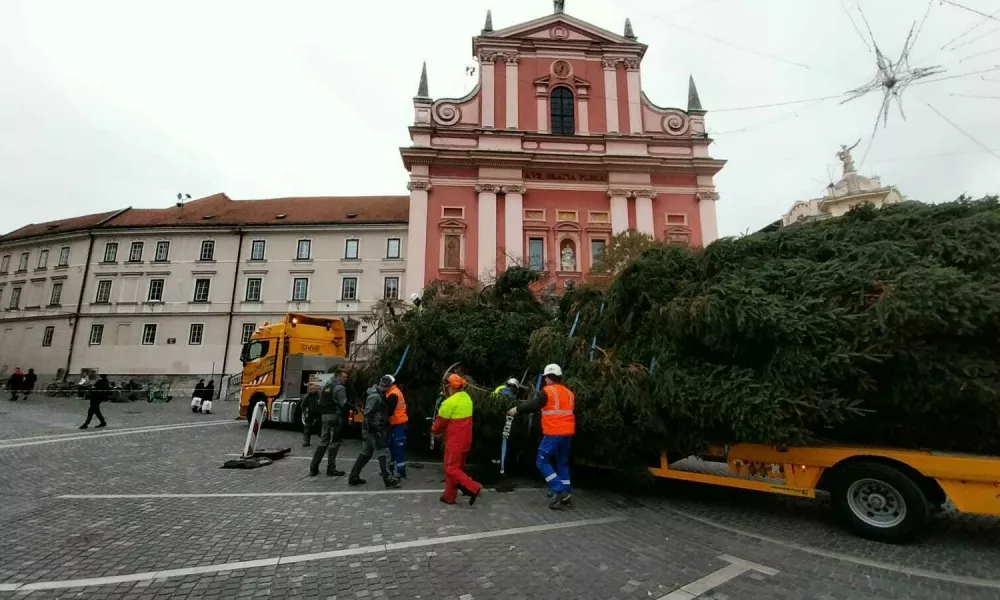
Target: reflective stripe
[[564, 481], [557, 412], [550, 477]]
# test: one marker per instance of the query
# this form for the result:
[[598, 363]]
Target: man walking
[[374, 432], [397, 428], [310, 411], [454, 420], [29, 383], [97, 395], [332, 406], [15, 383], [556, 403], [198, 396]]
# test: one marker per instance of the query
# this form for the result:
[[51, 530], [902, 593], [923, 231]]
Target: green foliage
[[878, 327]]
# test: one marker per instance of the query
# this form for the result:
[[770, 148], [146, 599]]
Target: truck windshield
[[256, 350]]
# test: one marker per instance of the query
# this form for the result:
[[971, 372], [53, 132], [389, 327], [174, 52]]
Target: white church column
[[634, 101], [706, 214], [611, 92], [487, 70], [619, 210], [644, 211], [512, 59], [514, 222], [487, 232], [416, 236]]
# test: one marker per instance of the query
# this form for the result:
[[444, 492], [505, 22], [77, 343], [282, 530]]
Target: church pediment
[[559, 27]]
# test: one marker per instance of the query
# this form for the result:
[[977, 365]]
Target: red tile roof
[[219, 209], [61, 226]]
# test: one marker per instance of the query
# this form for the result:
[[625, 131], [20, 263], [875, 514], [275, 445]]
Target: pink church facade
[[552, 153]]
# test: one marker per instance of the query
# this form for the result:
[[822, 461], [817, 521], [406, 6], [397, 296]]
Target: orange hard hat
[[456, 382]]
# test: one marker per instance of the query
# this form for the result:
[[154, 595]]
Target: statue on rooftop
[[845, 156], [559, 6]]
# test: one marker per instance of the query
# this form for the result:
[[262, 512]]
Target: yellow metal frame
[[972, 483]]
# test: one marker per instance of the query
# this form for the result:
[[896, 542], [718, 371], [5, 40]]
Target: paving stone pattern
[[668, 538]]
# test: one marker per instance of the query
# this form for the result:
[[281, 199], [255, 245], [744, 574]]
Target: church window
[[561, 111]]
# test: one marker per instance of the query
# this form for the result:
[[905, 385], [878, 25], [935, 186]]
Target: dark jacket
[[199, 390], [100, 392], [16, 381], [376, 413], [310, 405], [29, 380], [333, 398], [209, 392]]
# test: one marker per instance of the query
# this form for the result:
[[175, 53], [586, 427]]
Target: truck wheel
[[253, 404], [879, 502]]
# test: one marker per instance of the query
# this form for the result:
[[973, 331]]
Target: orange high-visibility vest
[[398, 416], [557, 414]]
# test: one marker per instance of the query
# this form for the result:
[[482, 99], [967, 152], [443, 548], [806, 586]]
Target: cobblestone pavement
[[141, 509]]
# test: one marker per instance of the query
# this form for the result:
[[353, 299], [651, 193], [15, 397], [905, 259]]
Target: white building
[[852, 190], [177, 291]]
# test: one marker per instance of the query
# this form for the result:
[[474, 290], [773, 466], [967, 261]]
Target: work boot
[[446, 501], [101, 425], [313, 473], [335, 472], [83, 426], [391, 482], [356, 481], [557, 501], [472, 497]]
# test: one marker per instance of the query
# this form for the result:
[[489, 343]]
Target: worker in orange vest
[[397, 429], [454, 420], [556, 403]]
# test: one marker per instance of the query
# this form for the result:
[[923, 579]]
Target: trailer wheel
[[879, 502], [253, 403]]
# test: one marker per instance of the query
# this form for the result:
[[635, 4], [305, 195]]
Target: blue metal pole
[[572, 329], [402, 360], [652, 365]]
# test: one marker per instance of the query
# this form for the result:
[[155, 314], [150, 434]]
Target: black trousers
[[94, 411]]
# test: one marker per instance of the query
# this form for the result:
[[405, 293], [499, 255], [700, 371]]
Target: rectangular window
[[162, 252], [96, 335], [351, 249], [47, 336], [392, 247], [536, 253], [56, 298], [391, 291], [5, 263], [248, 329], [195, 334], [597, 248], [300, 289], [349, 288], [23, 264], [148, 334], [155, 290], [253, 289], [43, 259], [303, 250], [452, 251], [110, 252], [201, 289], [135, 252], [64, 256], [15, 298], [207, 250], [257, 250], [103, 292]]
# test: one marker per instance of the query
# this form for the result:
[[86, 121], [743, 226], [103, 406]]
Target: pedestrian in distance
[[374, 431], [97, 395], [29, 383], [310, 411], [454, 420], [556, 403], [397, 428], [332, 409], [196, 396], [15, 383], [208, 395]]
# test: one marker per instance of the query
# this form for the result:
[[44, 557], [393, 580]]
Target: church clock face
[[561, 69]]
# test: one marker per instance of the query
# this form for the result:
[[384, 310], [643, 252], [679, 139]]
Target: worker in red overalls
[[397, 429], [454, 420]]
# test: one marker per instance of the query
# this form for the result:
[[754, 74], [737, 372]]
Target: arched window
[[561, 111]]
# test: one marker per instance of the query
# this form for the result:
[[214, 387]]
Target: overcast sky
[[106, 104]]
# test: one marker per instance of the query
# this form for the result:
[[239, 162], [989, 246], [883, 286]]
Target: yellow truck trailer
[[280, 358], [881, 493]]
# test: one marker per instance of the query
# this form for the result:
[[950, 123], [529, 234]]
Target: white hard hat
[[414, 296], [512, 382], [389, 378], [552, 369]]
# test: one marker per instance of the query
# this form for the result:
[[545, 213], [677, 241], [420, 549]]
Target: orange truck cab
[[280, 359]]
